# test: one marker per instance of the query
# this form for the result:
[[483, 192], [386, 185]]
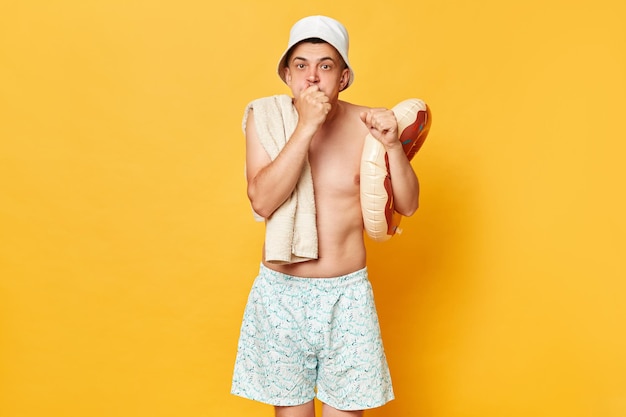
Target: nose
[[312, 77]]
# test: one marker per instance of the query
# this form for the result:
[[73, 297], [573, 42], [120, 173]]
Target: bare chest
[[335, 165]]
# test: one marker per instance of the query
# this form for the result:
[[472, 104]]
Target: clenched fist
[[312, 106], [383, 125]]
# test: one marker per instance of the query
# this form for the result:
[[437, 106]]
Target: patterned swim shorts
[[302, 335]]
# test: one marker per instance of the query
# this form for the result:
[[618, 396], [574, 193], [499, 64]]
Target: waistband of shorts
[[339, 281]]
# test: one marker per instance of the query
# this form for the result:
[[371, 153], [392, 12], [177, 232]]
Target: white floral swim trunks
[[302, 335]]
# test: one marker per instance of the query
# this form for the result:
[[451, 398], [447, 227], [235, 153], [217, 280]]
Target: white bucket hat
[[324, 28]]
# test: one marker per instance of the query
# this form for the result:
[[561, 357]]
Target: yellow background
[[127, 246]]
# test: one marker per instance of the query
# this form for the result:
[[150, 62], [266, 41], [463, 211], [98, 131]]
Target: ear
[[345, 78], [287, 74]]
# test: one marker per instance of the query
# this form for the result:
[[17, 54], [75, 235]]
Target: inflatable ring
[[380, 219]]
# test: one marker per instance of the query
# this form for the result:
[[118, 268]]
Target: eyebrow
[[295, 58]]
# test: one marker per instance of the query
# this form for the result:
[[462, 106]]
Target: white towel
[[291, 231]]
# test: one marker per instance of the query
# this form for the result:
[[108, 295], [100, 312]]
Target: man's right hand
[[313, 106]]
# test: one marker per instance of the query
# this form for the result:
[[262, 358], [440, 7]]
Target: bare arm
[[403, 181], [383, 126], [270, 183]]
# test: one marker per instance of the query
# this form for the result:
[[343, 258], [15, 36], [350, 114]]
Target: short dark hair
[[309, 40]]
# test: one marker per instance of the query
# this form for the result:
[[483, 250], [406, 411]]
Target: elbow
[[410, 208], [409, 211], [262, 212], [260, 209], [258, 205]]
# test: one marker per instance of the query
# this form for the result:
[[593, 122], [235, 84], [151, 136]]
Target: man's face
[[316, 64]]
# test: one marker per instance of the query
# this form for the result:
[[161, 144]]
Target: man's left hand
[[383, 125]]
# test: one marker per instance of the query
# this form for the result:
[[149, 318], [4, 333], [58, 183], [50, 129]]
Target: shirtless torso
[[330, 133], [335, 157]]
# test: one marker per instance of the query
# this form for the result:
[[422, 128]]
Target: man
[[310, 327]]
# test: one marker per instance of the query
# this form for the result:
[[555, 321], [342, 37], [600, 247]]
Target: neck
[[335, 111]]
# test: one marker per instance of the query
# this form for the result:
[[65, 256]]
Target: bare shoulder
[[352, 117], [352, 108]]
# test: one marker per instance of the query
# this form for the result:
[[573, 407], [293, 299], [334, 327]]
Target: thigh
[[353, 372], [328, 411], [274, 363], [304, 410]]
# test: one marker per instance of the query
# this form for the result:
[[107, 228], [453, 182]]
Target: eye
[[300, 66], [325, 66]]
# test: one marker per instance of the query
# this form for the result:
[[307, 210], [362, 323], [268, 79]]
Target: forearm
[[274, 183], [404, 182]]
